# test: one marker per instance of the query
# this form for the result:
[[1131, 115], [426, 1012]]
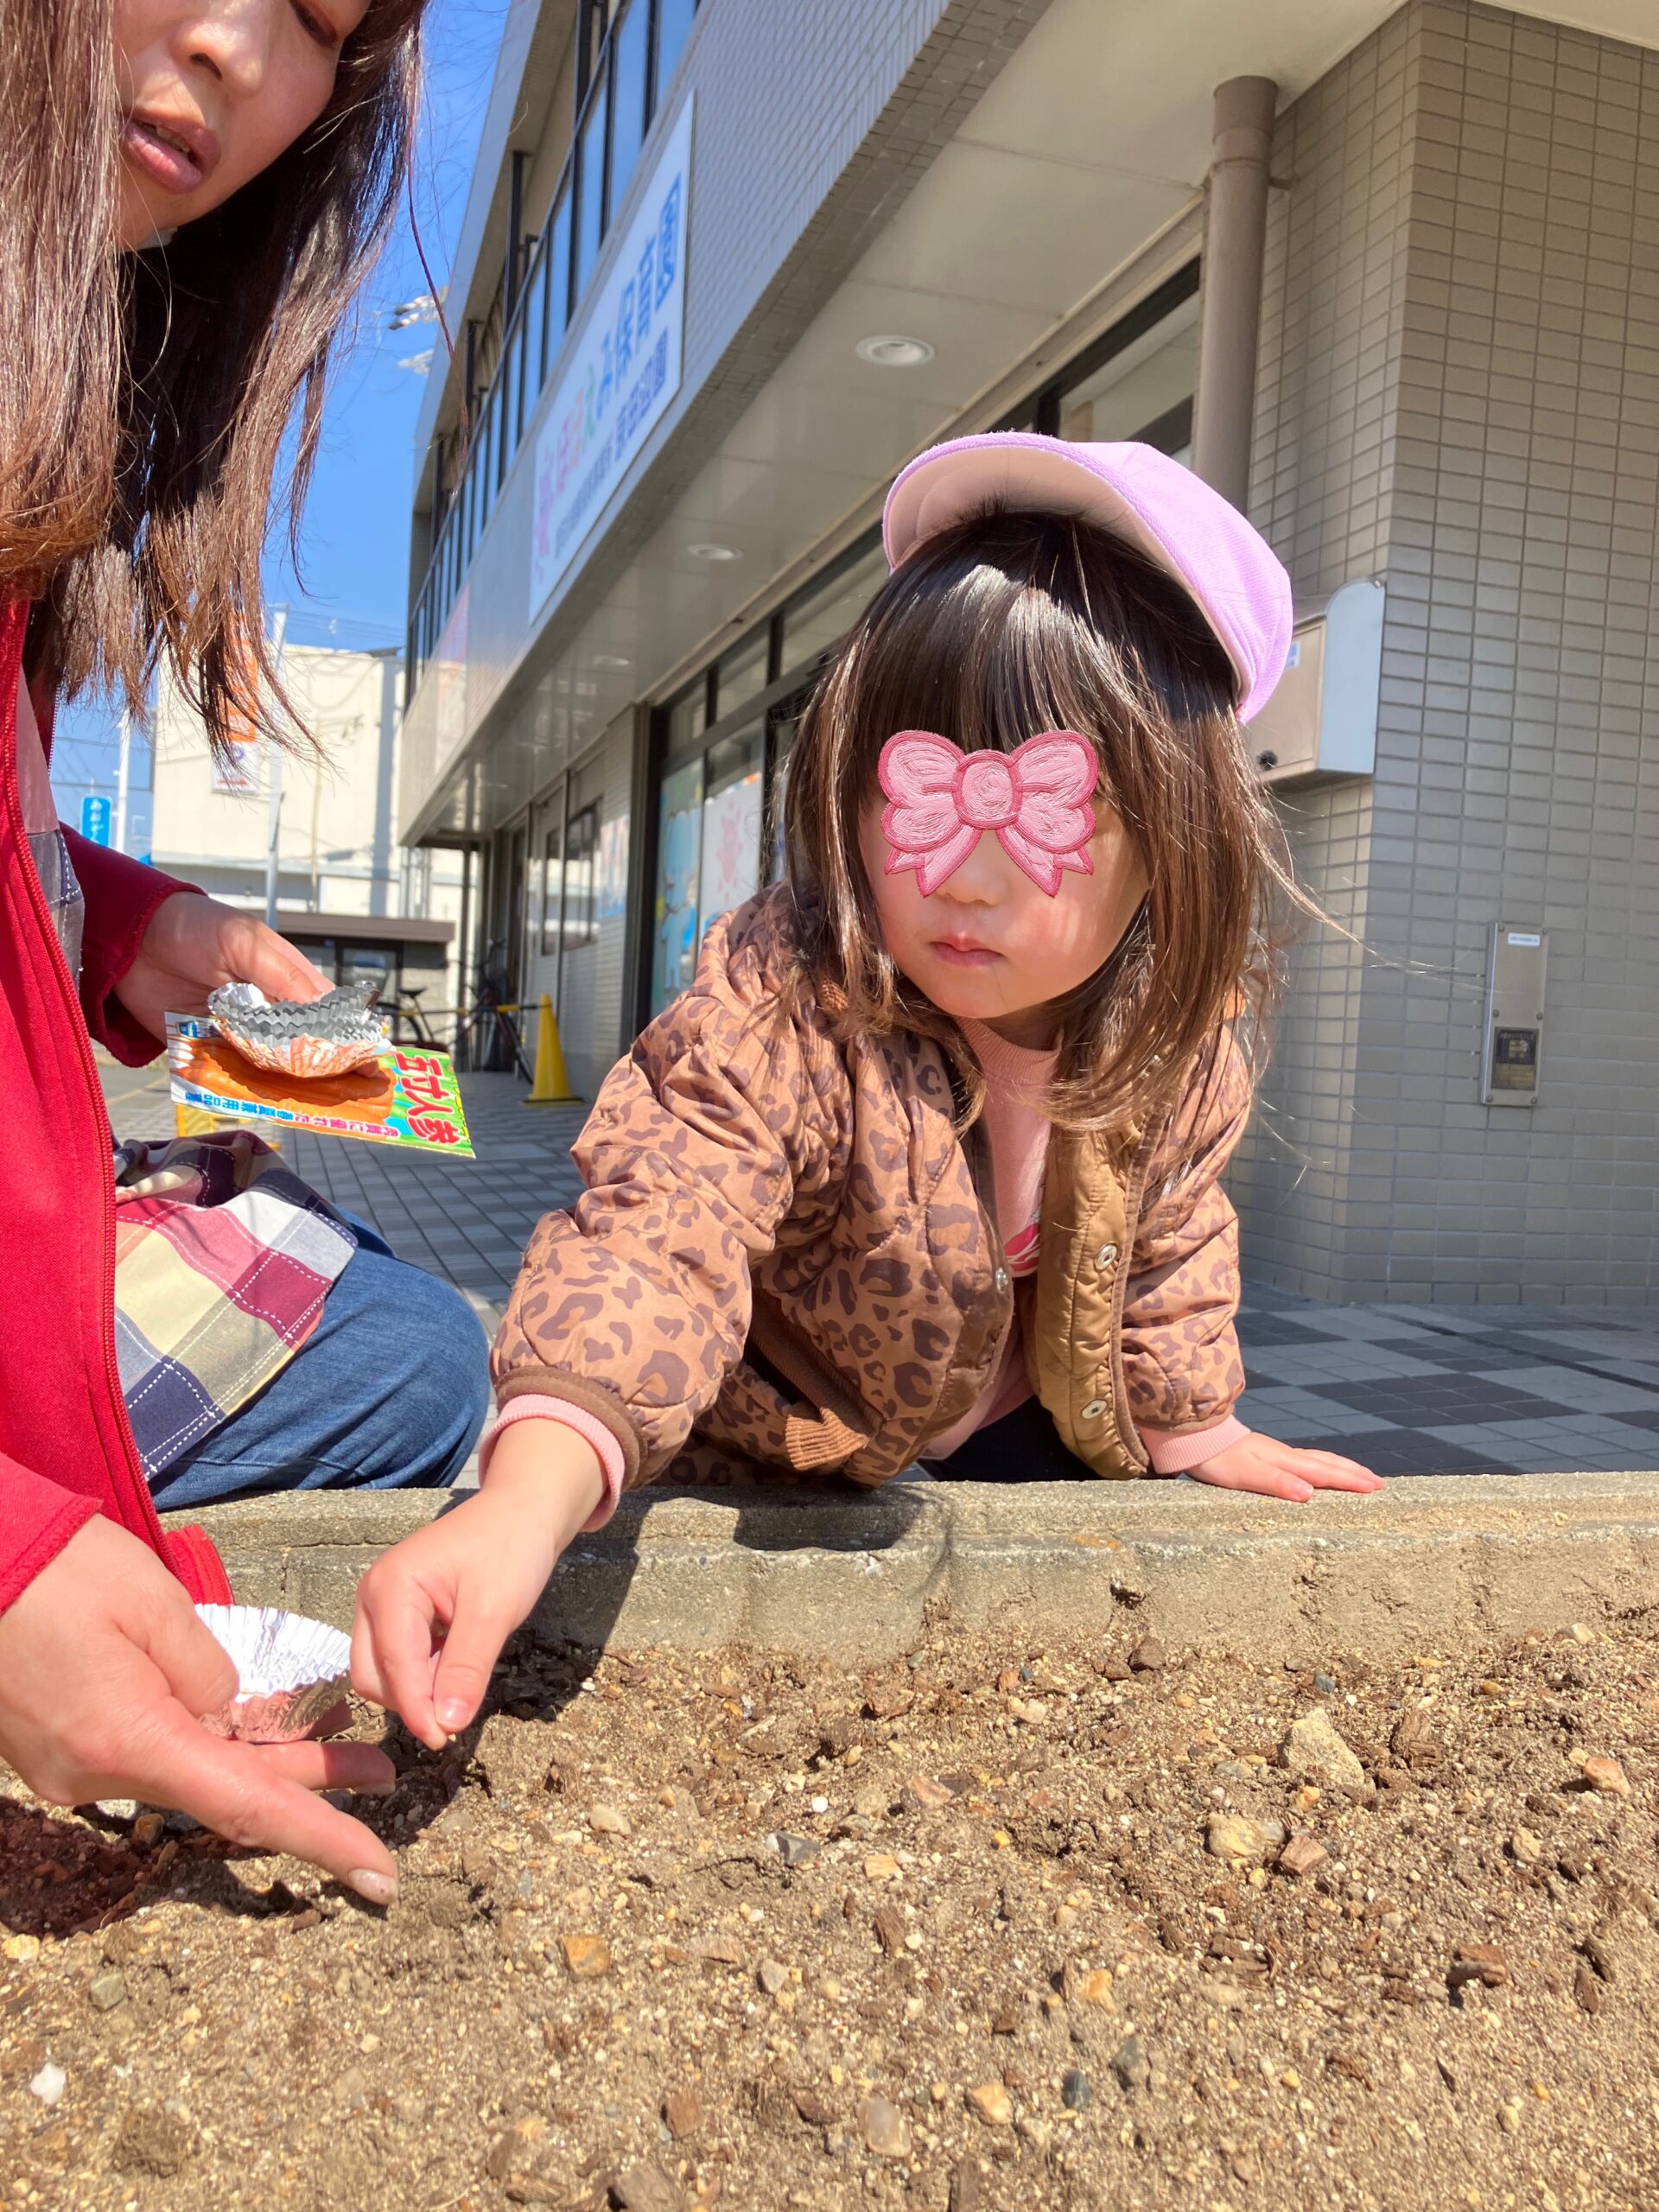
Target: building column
[[1229, 317]]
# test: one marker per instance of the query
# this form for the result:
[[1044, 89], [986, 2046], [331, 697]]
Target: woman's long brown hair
[[144, 398], [1003, 627]]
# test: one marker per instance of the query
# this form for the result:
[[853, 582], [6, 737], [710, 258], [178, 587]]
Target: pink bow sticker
[[1036, 799]]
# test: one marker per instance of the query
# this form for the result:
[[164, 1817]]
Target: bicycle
[[487, 1039]]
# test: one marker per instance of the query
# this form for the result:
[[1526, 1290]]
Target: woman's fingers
[[237, 1791], [364, 1768]]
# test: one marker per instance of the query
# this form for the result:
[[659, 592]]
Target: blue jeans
[[389, 1392]]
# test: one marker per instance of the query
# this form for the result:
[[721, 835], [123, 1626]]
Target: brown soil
[[1008, 1971]]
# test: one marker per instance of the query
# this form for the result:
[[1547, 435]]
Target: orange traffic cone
[[552, 1083]]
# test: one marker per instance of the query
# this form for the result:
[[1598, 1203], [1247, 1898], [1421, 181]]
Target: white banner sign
[[621, 377]]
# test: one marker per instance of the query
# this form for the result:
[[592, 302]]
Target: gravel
[[994, 1926]]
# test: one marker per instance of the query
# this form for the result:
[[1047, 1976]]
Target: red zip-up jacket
[[66, 1446]]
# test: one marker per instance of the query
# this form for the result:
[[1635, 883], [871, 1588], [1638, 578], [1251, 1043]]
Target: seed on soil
[[1605, 1774], [883, 2127], [1509, 2116], [890, 1931], [147, 1830], [1131, 2065], [992, 2103], [682, 2113], [1596, 1951], [1148, 1656], [1075, 2092], [587, 1956]]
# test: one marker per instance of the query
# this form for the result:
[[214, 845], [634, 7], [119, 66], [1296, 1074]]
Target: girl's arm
[[628, 1314], [1180, 1349]]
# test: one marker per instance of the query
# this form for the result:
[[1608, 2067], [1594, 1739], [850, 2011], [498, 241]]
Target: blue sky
[[354, 542]]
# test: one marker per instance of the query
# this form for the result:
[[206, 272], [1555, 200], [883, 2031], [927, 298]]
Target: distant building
[[723, 272], [356, 902]]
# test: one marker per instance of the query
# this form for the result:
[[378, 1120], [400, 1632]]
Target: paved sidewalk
[[1409, 1390]]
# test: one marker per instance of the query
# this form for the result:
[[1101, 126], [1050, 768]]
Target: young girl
[[925, 1164], [193, 191]]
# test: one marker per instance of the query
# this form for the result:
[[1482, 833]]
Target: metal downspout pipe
[[1229, 315]]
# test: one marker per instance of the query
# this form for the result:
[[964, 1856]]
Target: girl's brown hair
[[144, 397], [1006, 624]]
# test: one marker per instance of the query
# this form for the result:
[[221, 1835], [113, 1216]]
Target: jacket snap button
[[1094, 1409], [1000, 1279], [1106, 1255]]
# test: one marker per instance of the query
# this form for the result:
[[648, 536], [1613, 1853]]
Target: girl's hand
[[434, 1612], [104, 1670], [192, 945], [1257, 1464]]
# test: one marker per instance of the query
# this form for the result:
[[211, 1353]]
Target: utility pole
[[273, 779]]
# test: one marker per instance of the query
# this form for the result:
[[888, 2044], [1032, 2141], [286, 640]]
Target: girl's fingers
[[1329, 1470], [400, 1622], [466, 1663], [366, 1678]]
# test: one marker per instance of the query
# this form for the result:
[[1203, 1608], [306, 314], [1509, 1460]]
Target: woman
[[239, 160]]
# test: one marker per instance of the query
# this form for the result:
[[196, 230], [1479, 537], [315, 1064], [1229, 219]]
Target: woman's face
[[211, 92]]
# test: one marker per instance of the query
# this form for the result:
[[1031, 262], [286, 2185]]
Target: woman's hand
[[104, 1671], [1257, 1464], [434, 1612], [192, 945]]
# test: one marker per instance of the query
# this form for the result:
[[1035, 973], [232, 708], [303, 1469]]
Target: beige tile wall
[[1460, 394]]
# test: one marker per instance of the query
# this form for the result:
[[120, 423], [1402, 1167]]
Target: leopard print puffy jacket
[[784, 1261]]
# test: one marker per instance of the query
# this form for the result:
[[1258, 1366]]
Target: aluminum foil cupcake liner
[[331, 1035], [293, 1673]]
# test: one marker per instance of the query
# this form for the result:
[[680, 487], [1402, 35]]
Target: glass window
[[688, 718], [731, 825], [741, 674], [679, 852], [673, 29], [631, 44], [1144, 390], [507, 411], [558, 273], [365, 963], [552, 882], [590, 186], [827, 610], [581, 884], [535, 333]]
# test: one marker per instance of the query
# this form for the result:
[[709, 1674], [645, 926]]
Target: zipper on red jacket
[[11, 800]]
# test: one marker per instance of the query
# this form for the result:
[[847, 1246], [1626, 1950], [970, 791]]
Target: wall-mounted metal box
[[1321, 720], [1515, 1016]]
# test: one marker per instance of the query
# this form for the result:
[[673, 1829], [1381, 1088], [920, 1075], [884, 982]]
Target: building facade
[[358, 903], [725, 269]]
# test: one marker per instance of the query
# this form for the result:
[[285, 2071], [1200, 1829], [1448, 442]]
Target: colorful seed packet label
[[406, 1095]]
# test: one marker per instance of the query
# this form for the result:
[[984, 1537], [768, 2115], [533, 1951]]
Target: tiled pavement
[[1409, 1390]]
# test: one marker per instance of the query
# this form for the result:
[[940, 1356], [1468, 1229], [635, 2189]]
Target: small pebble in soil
[[682, 2113], [884, 2128], [797, 1850], [106, 1991], [587, 1956], [1131, 2065], [1148, 1656], [1314, 1750], [1482, 1962], [992, 2103], [49, 2084], [609, 1819], [1075, 2092], [1525, 1848], [1303, 1854], [1605, 1774], [1234, 1837]]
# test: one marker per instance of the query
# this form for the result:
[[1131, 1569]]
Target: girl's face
[[211, 92], [988, 944]]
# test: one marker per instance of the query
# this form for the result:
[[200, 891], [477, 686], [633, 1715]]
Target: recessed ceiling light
[[888, 351], [611, 660], [706, 551]]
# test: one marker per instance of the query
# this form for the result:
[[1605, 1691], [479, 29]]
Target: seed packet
[[391, 1094], [292, 1674]]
